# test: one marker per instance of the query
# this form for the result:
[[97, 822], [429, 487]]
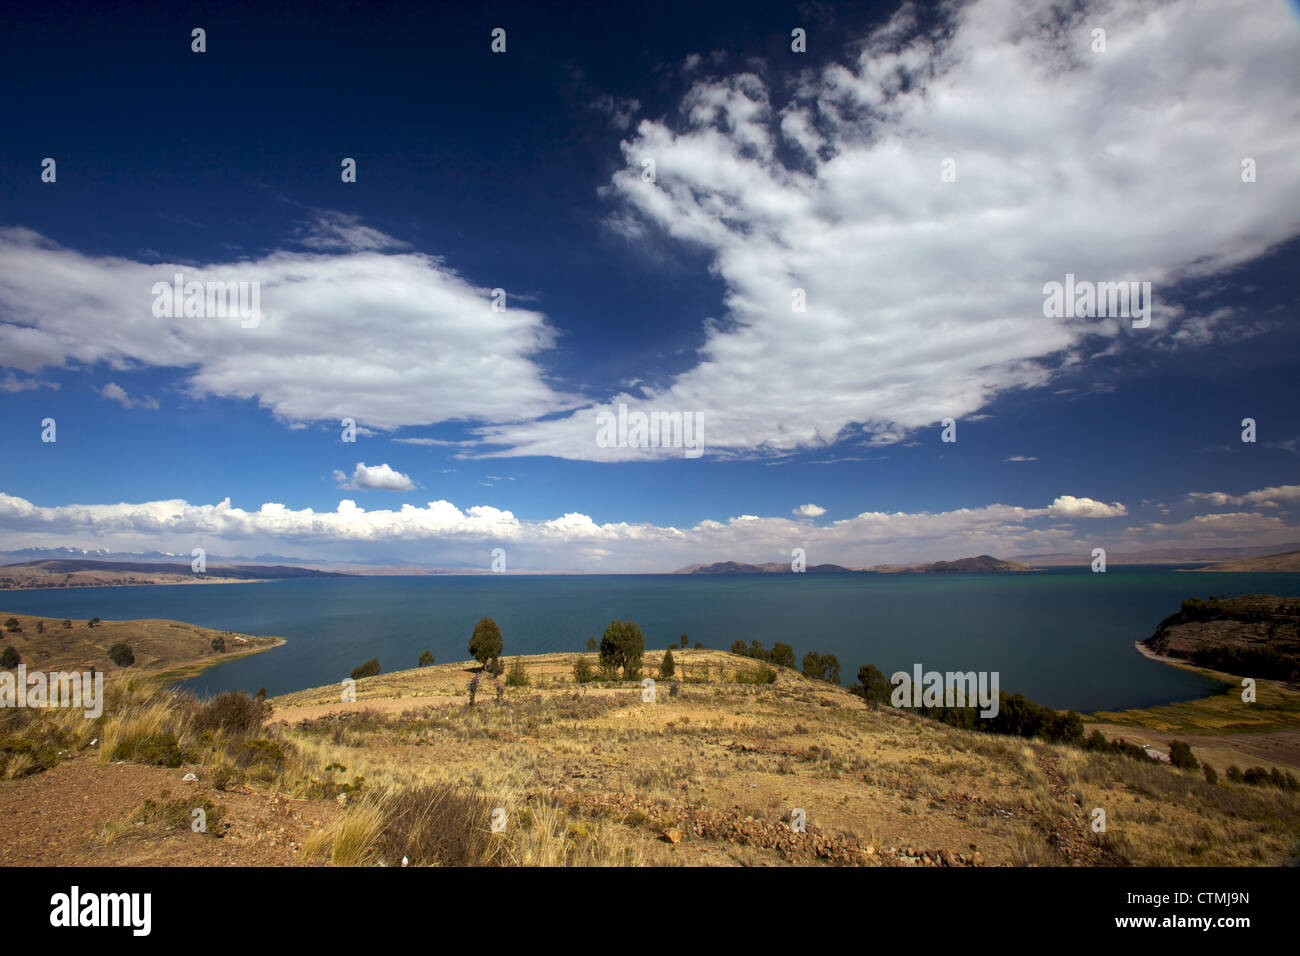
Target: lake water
[[1063, 637]]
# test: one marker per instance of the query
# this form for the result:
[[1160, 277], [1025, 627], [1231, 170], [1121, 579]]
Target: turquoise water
[[1063, 637]]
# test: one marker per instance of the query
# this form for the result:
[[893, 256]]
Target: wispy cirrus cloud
[[116, 393]]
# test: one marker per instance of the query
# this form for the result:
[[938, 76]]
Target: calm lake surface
[[1063, 637]]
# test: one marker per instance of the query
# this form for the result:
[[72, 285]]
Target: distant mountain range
[[1286, 561], [770, 567], [248, 571], [1157, 555], [145, 557], [984, 564], [86, 573]]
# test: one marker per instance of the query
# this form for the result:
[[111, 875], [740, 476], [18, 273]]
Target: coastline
[[1163, 659], [185, 671], [1221, 728], [134, 584]]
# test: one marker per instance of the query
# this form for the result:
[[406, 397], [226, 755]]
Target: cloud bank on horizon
[[576, 543]]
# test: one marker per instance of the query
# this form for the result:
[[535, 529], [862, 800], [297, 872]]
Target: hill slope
[[75, 573], [717, 770], [983, 564], [1286, 561]]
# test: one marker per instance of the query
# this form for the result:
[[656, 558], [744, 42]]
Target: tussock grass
[[353, 840]]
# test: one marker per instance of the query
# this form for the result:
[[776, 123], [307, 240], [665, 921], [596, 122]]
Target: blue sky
[[774, 170]]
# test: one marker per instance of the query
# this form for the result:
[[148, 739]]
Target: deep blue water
[[1063, 637]]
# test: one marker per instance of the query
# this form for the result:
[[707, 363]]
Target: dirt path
[[1072, 835]]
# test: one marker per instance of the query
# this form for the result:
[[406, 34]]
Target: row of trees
[[1017, 715], [823, 667], [120, 654], [781, 654], [16, 626], [622, 649]]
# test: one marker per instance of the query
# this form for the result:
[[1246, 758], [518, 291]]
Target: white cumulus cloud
[[924, 297], [386, 338], [375, 477]]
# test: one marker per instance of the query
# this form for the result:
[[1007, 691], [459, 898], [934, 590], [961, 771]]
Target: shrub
[[1018, 716], [260, 752], [121, 654], [1180, 755], [740, 647], [232, 712], [582, 672], [67, 624], [873, 686], [178, 814], [369, 669], [1211, 775], [486, 643], [666, 666], [426, 658], [699, 645], [622, 646], [219, 644], [782, 654], [591, 643], [1259, 777], [760, 675], [160, 749], [1261, 662], [823, 667], [9, 658], [40, 627], [93, 622], [439, 825], [494, 667], [517, 676]]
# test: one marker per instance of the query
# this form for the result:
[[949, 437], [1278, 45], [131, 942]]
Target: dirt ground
[[55, 818]]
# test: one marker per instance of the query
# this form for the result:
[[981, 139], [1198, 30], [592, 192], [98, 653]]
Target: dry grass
[[422, 773]]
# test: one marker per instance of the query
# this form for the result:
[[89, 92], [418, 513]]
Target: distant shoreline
[[74, 586], [354, 575], [1152, 655]]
